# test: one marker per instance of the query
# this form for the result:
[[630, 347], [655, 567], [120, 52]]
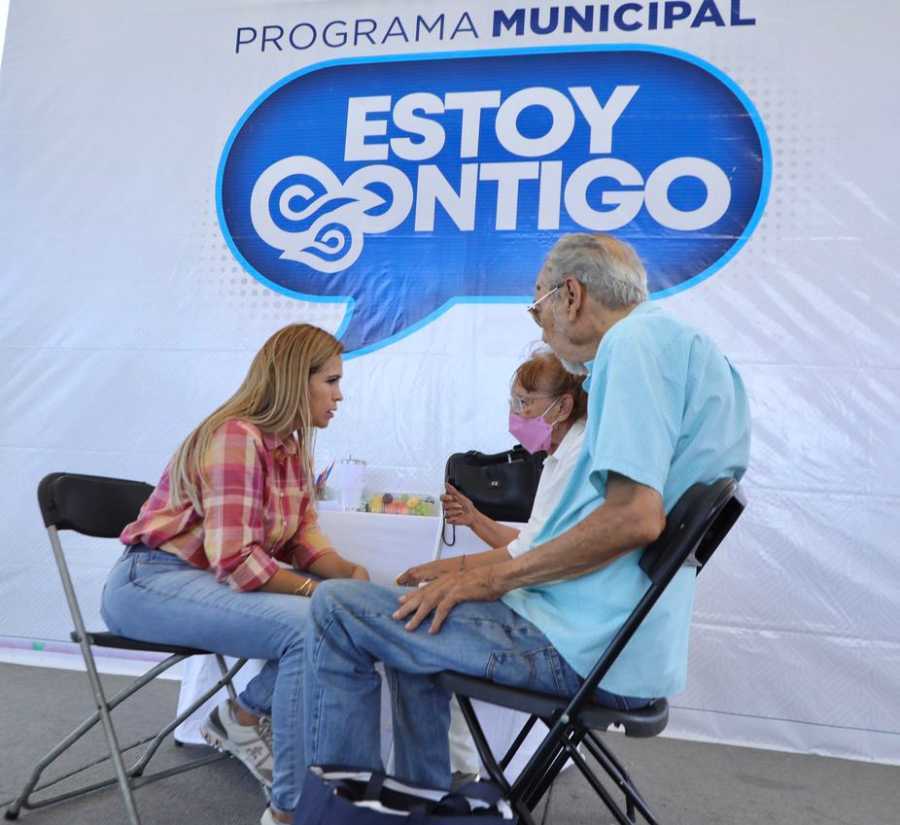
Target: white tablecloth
[[387, 545]]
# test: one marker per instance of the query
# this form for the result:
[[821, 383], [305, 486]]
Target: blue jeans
[[152, 595], [352, 628]]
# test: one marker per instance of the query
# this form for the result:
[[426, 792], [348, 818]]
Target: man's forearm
[[612, 530]]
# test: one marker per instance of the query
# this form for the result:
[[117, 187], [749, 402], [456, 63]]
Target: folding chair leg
[[122, 776], [490, 762], [96, 687], [111, 739], [224, 672], [609, 755], [31, 786], [534, 795], [598, 786], [517, 743], [633, 799], [23, 800], [119, 765], [481, 744], [619, 775], [224, 681], [115, 755]]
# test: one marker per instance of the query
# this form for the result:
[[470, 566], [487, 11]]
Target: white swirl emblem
[[299, 206]]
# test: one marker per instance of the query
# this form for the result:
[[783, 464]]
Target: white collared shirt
[[554, 477]]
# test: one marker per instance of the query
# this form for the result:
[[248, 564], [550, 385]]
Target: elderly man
[[665, 410]]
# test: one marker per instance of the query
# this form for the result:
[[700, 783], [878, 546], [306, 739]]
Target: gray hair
[[609, 268]]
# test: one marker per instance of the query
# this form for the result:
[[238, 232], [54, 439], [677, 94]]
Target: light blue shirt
[[667, 410]]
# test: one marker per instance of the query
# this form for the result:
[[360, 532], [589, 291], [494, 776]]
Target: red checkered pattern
[[257, 508]]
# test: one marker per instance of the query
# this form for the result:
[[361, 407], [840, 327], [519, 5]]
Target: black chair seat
[[643, 722], [105, 639]]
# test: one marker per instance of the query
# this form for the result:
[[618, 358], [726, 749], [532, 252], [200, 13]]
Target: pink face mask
[[533, 433]]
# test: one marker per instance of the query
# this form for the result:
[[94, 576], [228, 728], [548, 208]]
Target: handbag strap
[[444, 533]]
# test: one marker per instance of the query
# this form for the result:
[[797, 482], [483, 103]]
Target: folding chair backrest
[[694, 529], [91, 505]]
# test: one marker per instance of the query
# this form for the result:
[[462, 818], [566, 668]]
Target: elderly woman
[[547, 407]]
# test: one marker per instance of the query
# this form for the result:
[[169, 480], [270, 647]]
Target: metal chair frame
[[694, 529], [101, 507]]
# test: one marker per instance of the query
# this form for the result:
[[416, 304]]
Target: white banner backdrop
[[126, 315], [4, 11]]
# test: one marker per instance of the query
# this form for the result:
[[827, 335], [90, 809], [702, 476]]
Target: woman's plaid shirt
[[257, 508]]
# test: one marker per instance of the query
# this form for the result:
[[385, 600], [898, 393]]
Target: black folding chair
[[101, 507], [694, 529]]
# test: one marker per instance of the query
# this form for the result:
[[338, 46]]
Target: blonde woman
[[201, 568]]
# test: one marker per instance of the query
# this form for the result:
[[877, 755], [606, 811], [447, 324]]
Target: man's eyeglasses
[[533, 308]]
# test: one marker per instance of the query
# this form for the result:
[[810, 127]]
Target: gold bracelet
[[462, 563], [304, 589]]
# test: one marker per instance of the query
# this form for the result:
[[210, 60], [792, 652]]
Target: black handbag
[[500, 485]]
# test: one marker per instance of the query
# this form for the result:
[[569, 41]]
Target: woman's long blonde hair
[[274, 396]]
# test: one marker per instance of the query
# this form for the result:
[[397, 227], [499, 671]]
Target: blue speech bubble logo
[[401, 186]]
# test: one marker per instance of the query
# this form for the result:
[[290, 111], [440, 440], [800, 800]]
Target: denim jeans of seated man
[[352, 627]]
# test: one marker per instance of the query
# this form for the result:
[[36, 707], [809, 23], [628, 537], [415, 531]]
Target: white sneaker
[[252, 744], [267, 818]]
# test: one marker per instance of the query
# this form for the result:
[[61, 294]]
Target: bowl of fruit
[[402, 504]]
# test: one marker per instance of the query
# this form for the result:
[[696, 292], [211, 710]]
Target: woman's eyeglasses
[[518, 404], [533, 308]]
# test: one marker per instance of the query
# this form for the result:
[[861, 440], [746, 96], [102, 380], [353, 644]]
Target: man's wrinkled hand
[[427, 572], [443, 594]]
